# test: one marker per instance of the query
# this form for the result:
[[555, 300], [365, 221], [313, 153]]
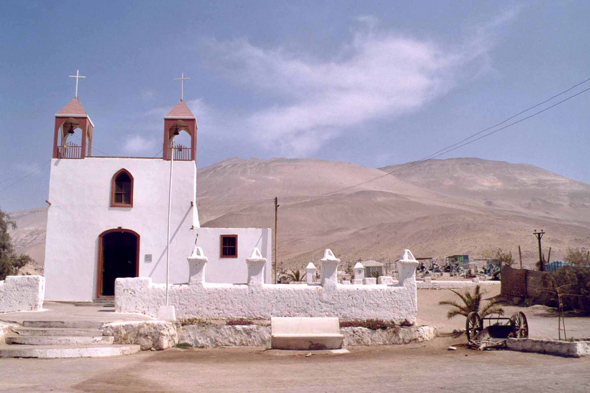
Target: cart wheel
[[473, 326], [520, 325]]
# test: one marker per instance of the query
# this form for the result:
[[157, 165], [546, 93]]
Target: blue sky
[[370, 82]]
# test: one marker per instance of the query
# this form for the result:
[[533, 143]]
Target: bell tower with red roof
[[180, 118], [67, 120]]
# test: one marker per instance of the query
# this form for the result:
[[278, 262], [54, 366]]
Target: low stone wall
[[550, 347], [440, 284], [210, 336], [22, 293], [356, 336], [147, 334]]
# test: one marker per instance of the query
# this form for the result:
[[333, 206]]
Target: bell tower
[[72, 117], [180, 118]]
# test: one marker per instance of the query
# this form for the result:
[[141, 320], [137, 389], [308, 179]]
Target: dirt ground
[[422, 368]]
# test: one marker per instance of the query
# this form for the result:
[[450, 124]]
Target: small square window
[[229, 246]]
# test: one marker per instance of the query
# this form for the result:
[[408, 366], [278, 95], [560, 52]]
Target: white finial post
[[182, 79], [329, 269], [77, 77]]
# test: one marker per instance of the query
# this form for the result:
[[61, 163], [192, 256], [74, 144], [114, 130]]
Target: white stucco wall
[[234, 270], [22, 293], [256, 300], [219, 301], [80, 197]]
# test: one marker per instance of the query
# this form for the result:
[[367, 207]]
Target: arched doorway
[[118, 256]]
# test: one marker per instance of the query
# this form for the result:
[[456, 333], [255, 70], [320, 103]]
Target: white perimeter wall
[[227, 301], [234, 270], [21, 293]]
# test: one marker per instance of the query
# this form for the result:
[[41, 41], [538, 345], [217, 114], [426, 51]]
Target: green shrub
[[10, 262]]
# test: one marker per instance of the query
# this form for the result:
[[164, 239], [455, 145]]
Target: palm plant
[[471, 303], [296, 275]]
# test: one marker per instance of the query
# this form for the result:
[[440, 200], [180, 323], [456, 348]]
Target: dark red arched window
[[122, 189]]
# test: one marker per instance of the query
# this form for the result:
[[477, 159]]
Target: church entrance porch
[[118, 257]]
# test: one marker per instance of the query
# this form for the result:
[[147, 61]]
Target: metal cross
[[181, 79], [77, 76]]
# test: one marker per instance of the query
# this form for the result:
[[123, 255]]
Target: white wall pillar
[[256, 268], [329, 269], [196, 265], [359, 273], [406, 267], [310, 272]]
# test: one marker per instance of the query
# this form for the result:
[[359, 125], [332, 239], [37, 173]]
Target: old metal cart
[[499, 329]]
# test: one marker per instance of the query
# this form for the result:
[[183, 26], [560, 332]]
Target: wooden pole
[[168, 230], [276, 250], [549, 256], [520, 256]]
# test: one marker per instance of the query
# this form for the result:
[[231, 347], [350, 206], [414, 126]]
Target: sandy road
[[414, 368]]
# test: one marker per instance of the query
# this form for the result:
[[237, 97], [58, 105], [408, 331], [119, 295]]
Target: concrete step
[[24, 331], [63, 324], [60, 340], [66, 351]]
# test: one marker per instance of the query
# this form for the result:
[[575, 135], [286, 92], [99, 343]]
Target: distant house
[[371, 267]]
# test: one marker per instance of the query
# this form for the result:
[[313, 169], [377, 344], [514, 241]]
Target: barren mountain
[[436, 208]]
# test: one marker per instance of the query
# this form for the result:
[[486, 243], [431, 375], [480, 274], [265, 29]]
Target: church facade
[[108, 216]]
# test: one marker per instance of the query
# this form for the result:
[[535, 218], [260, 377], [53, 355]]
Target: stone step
[[63, 324], [60, 340], [23, 331], [66, 351]]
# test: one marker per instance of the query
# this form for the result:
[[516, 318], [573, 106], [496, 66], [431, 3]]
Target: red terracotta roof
[[73, 108], [180, 111]]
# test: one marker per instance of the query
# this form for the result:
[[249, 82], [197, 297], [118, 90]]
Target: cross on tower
[[182, 79], [77, 76]]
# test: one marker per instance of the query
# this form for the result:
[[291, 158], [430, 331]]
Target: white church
[[108, 216]]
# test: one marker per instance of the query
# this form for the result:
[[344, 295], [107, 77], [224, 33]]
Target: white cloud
[[147, 94], [139, 144], [378, 74]]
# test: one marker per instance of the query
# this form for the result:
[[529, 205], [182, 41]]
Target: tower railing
[[182, 153], [70, 150]]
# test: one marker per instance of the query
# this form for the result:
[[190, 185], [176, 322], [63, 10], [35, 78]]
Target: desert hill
[[436, 208]]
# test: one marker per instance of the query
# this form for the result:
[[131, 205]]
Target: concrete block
[[306, 333], [167, 313]]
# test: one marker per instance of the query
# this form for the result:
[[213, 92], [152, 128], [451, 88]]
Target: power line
[[466, 141], [512, 117], [30, 173], [34, 169]]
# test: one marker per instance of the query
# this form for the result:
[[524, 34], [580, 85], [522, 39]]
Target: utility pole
[[539, 235], [168, 230], [276, 250], [520, 257]]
